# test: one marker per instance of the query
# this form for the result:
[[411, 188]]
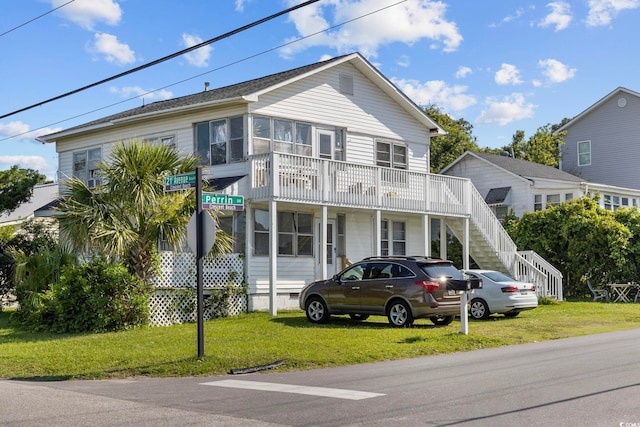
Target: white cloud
[[28, 162], [113, 51], [437, 92], [137, 91], [240, 5], [199, 57], [560, 16], [602, 12], [508, 109], [407, 22], [508, 75], [463, 72], [404, 61], [555, 71], [20, 130], [86, 13]]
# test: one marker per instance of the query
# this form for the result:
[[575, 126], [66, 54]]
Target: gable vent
[[346, 84]]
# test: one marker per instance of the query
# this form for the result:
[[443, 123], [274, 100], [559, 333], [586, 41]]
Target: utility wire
[[166, 58], [209, 71], [37, 17]]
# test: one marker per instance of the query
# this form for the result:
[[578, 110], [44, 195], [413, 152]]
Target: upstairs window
[[391, 155], [584, 153], [85, 166], [286, 136], [220, 141]]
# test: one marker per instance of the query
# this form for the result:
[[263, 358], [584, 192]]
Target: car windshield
[[442, 269], [496, 276]]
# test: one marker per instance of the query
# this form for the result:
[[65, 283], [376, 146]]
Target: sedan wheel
[[441, 320], [399, 314], [479, 309], [317, 311]]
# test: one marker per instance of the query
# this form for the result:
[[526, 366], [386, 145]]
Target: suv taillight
[[509, 289], [429, 286]]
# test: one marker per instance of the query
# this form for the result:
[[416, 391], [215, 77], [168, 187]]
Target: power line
[[37, 17], [166, 58], [209, 71]]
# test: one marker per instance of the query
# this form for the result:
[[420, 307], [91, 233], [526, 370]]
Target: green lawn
[[257, 339]]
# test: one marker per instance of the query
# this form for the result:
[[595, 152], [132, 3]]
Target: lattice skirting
[[174, 299]]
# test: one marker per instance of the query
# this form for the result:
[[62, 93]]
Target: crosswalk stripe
[[297, 389]]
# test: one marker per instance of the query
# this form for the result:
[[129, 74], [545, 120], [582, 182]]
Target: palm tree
[[125, 217]]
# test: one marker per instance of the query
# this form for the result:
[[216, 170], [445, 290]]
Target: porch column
[[273, 257], [377, 219], [464, 318], [443, 239], [323, 242], [426, 230]]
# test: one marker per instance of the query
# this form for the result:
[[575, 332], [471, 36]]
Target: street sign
[[222, 202], [183, 181], [208, 235]]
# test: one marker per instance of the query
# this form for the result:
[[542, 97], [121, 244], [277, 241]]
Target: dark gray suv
[[403, 288]]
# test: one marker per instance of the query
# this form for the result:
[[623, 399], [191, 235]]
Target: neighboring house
[[42, 196], [332, 160], [514, 186], [602, 143]]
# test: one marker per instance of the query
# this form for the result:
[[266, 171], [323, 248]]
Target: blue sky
[[501, 65]]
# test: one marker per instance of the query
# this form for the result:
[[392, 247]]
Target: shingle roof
[[527, 169], [227, 92]]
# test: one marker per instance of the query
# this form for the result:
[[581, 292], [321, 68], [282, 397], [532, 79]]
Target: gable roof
[[596, 106], [518, 167], [249, 91], [42, 195]]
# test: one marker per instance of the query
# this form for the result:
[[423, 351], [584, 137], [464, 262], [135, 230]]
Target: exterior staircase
[[492, 249]]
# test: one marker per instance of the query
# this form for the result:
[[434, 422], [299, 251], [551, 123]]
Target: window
[[537, 202], [234, 225], [611, 203], [220, 141], [553, 200], [391, 155], [165, 140], [501, 212], [393, 238], [584, 153], [568, 197], [85, 166], [288, 136], [295, 233]]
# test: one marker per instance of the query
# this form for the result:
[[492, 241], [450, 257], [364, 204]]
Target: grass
[[258, 338]]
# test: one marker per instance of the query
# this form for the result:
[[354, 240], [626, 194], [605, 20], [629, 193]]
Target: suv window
[[354, 273], [439, 270]]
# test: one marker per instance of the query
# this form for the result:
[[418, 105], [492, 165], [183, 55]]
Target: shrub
[[94, 297]]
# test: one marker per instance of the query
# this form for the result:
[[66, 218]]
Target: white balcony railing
[[330, 182]]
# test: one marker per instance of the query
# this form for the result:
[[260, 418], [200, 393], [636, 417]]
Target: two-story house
[[514, 186], [332, 160], [602, 143]]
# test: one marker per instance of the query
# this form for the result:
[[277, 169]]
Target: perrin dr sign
[[222, 202]]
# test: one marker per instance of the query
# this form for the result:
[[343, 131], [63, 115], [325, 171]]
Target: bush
[[94, 297]]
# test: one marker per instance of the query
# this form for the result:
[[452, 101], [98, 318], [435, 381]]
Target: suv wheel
[[441, 320], [478, 309], [399, 314], [317, 311]]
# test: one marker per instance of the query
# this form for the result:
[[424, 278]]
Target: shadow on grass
[[345, 322]]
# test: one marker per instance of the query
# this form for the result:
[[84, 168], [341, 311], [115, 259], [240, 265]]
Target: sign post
[[199, 263]]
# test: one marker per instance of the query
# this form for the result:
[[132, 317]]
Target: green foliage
[[22, 242], [543, 147], [581, 239], [124, 218], [16, 187], [94, 297], [459, 138]]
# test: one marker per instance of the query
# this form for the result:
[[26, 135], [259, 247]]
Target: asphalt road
[[585, 381]]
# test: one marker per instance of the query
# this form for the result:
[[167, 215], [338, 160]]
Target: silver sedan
[[500, 294]]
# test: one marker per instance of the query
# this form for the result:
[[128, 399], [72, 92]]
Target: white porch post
[[464, 319], [426, 230], [273, 257], [377, 219], [443, 239], [323, 242]]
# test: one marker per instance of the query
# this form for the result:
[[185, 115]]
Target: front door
[[330, 247]]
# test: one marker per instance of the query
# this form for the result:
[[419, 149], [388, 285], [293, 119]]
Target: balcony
[[288, 177]]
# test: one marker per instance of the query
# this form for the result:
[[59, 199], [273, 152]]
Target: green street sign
[[183, 181], [222, 202]]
